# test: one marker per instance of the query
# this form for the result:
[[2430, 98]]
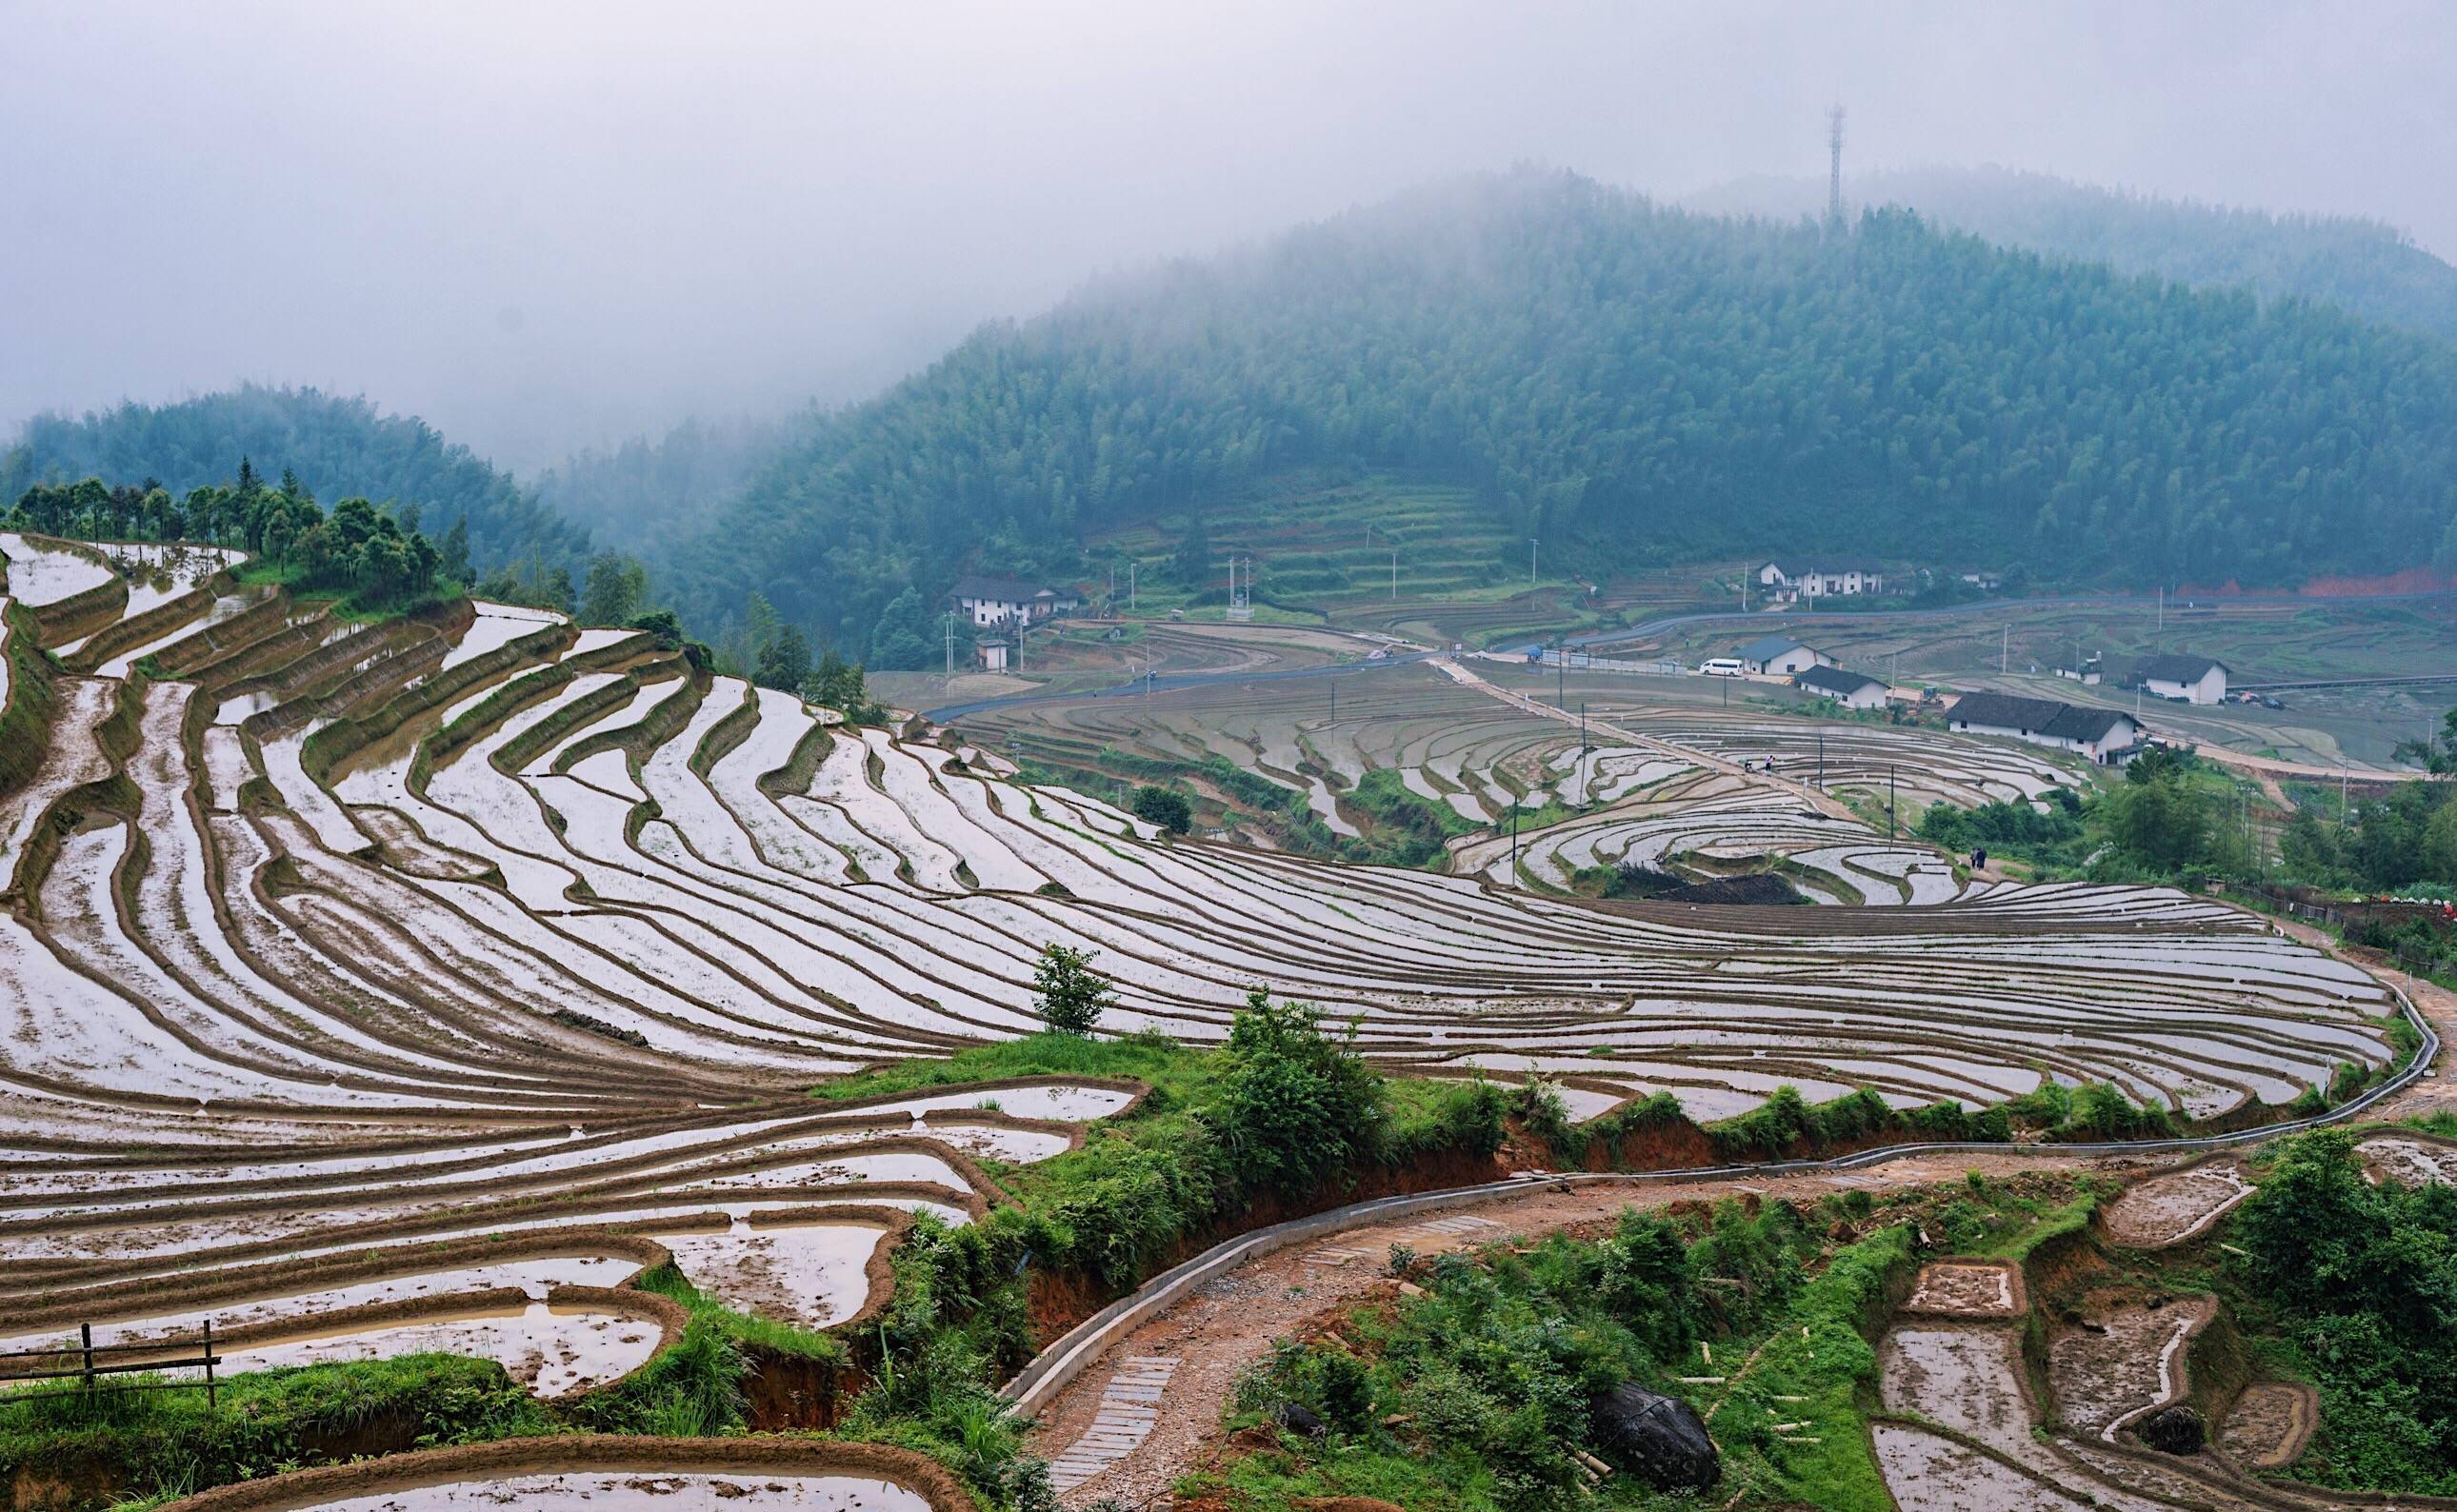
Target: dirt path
[[1226, 1325]]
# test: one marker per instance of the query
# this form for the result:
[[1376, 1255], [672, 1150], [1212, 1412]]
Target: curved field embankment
[[603, 1471], [479, 924]]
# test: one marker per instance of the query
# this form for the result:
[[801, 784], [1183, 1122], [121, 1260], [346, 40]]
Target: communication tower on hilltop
[[1834, 162]]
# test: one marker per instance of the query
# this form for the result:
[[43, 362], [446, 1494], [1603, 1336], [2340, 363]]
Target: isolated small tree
[[1163, 807], [1068, 993]]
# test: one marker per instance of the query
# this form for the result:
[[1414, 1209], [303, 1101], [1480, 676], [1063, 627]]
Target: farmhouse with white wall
[[987, 601], [1780, 656], [1825, 580], [2184, 678], [2101, 734], [1851, 689]]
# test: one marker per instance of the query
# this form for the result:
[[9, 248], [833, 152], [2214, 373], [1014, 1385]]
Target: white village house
[[2187, 679], [2101, 734], [1821, 579], [1851, 689], [987, 601], [1780, 656]]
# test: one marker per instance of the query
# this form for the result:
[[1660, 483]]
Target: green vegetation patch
[[2354, 1287], [156, 1443]]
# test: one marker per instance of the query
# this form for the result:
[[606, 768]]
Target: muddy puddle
[[1967, 1377], [2268, 1426], [549, 1350], [1966, 1291], [2414, 1162], [1929, 1472], [2119, 1356], [535, 1277], [814, 1275], [2170, 1209]]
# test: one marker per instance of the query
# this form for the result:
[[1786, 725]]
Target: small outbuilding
[[2184, 678], [1780, 656], [995, 653], [1851, 689]]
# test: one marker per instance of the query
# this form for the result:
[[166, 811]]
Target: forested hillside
[[2370, 269], [1632, 384], [643, 493], [338, 448]]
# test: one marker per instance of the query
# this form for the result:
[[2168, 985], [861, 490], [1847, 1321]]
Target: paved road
[[1187, 679]]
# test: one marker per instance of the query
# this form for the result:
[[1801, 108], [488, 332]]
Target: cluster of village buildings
[[1007, 606], [2103, 735]]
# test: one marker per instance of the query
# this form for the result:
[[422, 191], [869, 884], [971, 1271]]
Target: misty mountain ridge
[[1633, 384], [2368, 267]]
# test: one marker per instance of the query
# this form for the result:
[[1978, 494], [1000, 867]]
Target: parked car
[[1721, 667]]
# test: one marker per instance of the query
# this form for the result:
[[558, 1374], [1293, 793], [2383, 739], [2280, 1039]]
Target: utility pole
[[1531, 562], [1821, 757], [1513, 842], [1562, 678], [1130, 585], [2162, 609], [2004, 643], [1395, 574], [1889, 800], [1834, 164], [1585, 797], [951, 643]]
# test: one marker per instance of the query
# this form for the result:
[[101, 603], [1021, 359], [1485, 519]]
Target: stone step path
[[1333, 1255], [1129, 1406], [1456, 1226]]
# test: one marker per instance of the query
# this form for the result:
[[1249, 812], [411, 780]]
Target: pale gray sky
[[543, 223]]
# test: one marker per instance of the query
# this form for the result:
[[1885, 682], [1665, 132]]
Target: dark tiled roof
[[2004, 711], [2179, 668], [2037, 716], [1014, 590], [1836, 569], [1835, 680], [1767, 648], [2087, 725]]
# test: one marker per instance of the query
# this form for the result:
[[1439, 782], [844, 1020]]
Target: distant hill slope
[[641, 493], [2370, 269], [1629, 383], [339, 447]]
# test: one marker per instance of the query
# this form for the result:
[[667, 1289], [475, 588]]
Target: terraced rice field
[[1963, 1433], [345, 972]]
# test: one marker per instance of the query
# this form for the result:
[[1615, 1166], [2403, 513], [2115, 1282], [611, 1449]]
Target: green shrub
[[1165, 807], [1294, 1106]]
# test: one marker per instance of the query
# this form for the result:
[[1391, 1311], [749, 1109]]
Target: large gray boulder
[[1658, 1438]]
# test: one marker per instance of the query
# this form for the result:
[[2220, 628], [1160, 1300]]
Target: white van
[[1721, 667]]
